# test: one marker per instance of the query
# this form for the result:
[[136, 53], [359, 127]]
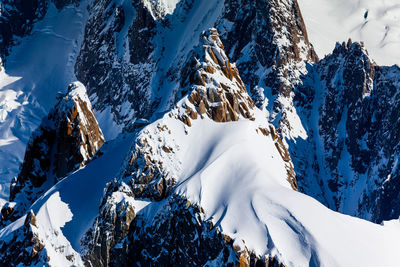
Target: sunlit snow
[[375, 22]]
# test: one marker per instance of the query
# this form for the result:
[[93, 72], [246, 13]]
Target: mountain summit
[[229, 141]]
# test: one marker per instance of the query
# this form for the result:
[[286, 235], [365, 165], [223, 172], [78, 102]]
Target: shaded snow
[[40, 66], [239, 178], [67, 210], [50, 218], [84, 189]]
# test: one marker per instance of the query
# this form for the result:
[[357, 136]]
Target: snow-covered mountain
[[217, 113], [38, 67], [65, 141], [349, 107]]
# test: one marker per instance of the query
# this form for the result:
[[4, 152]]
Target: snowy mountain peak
[[65, 141], [206, 157], [178, 164], [355, 70], [160, 8], [214, 85]]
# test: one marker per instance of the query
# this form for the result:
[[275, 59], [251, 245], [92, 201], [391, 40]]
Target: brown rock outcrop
[[215, 85], [65, 141], [119, 236], [24, 246]]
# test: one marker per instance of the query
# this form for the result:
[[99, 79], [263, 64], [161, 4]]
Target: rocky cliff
[[65, 141], [33, 242], [351, 107], [133, 52], [181, 232], [225, 126]]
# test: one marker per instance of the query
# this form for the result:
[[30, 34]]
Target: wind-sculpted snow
[[202, 175], [376, 23], [39, 238], [62, 223], [214, 126], [217, 173]]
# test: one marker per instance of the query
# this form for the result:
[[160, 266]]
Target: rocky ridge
[[65, 141], [33, 243], [214, 91], [338, 116], [355, 138], [269, 43], [270, 57]]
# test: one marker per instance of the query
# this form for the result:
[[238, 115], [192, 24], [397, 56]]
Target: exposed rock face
[[269, 43], [356, 143], [121, 66], [134, 62], [178, 235], [214, 97], [118, 70], [65, 141], [34, 243], [178, 232], [28, 248]]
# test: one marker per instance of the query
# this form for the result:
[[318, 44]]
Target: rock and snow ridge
[[38, 66], [171, 157], [65, 141], [144, 56], [37, 240], [186, 168], [139, 52], [350, 107], [209, 189]]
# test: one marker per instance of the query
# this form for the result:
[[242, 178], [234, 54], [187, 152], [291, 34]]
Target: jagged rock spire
[[65, 141], [214, 85], [213, 94]]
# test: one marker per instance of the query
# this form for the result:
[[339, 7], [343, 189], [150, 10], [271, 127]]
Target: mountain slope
[[373, 22], [65, 141], [350, 109], [210, 182], [69, 204], [112, 66], [40, 65], [131, 60], [190, 146], [212, 153]]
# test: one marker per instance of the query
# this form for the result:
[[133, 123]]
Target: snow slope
[[74, 207], [242, 192], [160, 8], [40, 66], [235, 173], [375, 22], [237, 176]]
